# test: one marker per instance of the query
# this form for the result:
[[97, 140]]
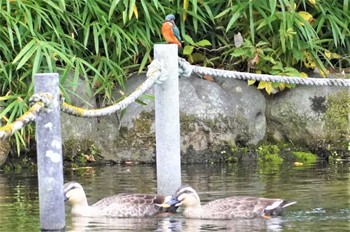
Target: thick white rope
[[186, 69]]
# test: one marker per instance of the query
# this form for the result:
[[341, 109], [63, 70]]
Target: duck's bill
[[173, 201], [165, 205]]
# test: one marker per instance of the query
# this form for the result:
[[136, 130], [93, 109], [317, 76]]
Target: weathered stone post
[[49, 152], [168, 121]]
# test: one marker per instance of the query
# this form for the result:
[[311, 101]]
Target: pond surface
[[321, 190]]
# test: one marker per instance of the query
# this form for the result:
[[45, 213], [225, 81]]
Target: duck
[[122, 205], [244, 207]]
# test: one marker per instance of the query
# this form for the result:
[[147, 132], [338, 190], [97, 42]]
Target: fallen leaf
[[303, 74], [256, 59], [313, 2], [90, 158], [251, 82], [208, 78], [129, 162], [327, 53], [306, 16], [266, 85], [298, 164]]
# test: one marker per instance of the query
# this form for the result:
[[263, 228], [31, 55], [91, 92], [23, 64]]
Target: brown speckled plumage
[[228, 208], [121, 205]]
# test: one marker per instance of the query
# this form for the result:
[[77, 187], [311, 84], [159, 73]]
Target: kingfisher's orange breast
[[167, 32]]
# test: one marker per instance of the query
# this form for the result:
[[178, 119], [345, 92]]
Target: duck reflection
[[173, 224], [82, 224], [198, 225]]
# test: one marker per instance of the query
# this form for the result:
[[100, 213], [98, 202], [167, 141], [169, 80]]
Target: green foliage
[[189, 50], [102, 41], [279, 35], [99, 41]]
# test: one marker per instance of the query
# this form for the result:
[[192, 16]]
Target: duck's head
[[170, 17], [185, 196], [74, 193]]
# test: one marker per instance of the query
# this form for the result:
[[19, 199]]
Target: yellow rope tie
[[29, 116], [73, 110], [153, 75], [38, 103]]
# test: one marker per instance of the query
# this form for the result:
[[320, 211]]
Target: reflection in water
[[172, 224], [19, 203], [322, 194], [194, 225], [80, 224]]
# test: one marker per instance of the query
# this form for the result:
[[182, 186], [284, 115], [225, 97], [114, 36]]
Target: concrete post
[[49, 155], [167, 122]]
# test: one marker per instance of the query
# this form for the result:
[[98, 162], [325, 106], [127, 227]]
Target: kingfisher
[[170, 31]]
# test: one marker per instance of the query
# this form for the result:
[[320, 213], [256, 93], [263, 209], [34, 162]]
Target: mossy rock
[[269, 153], [337, 119], [305, 157], [4, 151], [81, 153], [137, 143], [271, 158]]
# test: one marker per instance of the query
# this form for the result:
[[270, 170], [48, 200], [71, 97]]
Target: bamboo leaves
[[101, 41]]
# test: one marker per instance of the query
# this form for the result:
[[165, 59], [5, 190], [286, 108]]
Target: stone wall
[[218, 116]]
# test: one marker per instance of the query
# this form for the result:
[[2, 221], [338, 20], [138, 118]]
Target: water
[[322, 192]]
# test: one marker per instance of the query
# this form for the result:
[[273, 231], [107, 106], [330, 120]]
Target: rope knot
[[157, 67], [45, 98], [185, 68]]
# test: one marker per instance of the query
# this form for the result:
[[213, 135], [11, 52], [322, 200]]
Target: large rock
[[4, 151], [310, 116], [214, 117], [4, 147], [219, 116], [84, 136]]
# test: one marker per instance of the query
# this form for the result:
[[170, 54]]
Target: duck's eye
[[187, 191], [73, 187]]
